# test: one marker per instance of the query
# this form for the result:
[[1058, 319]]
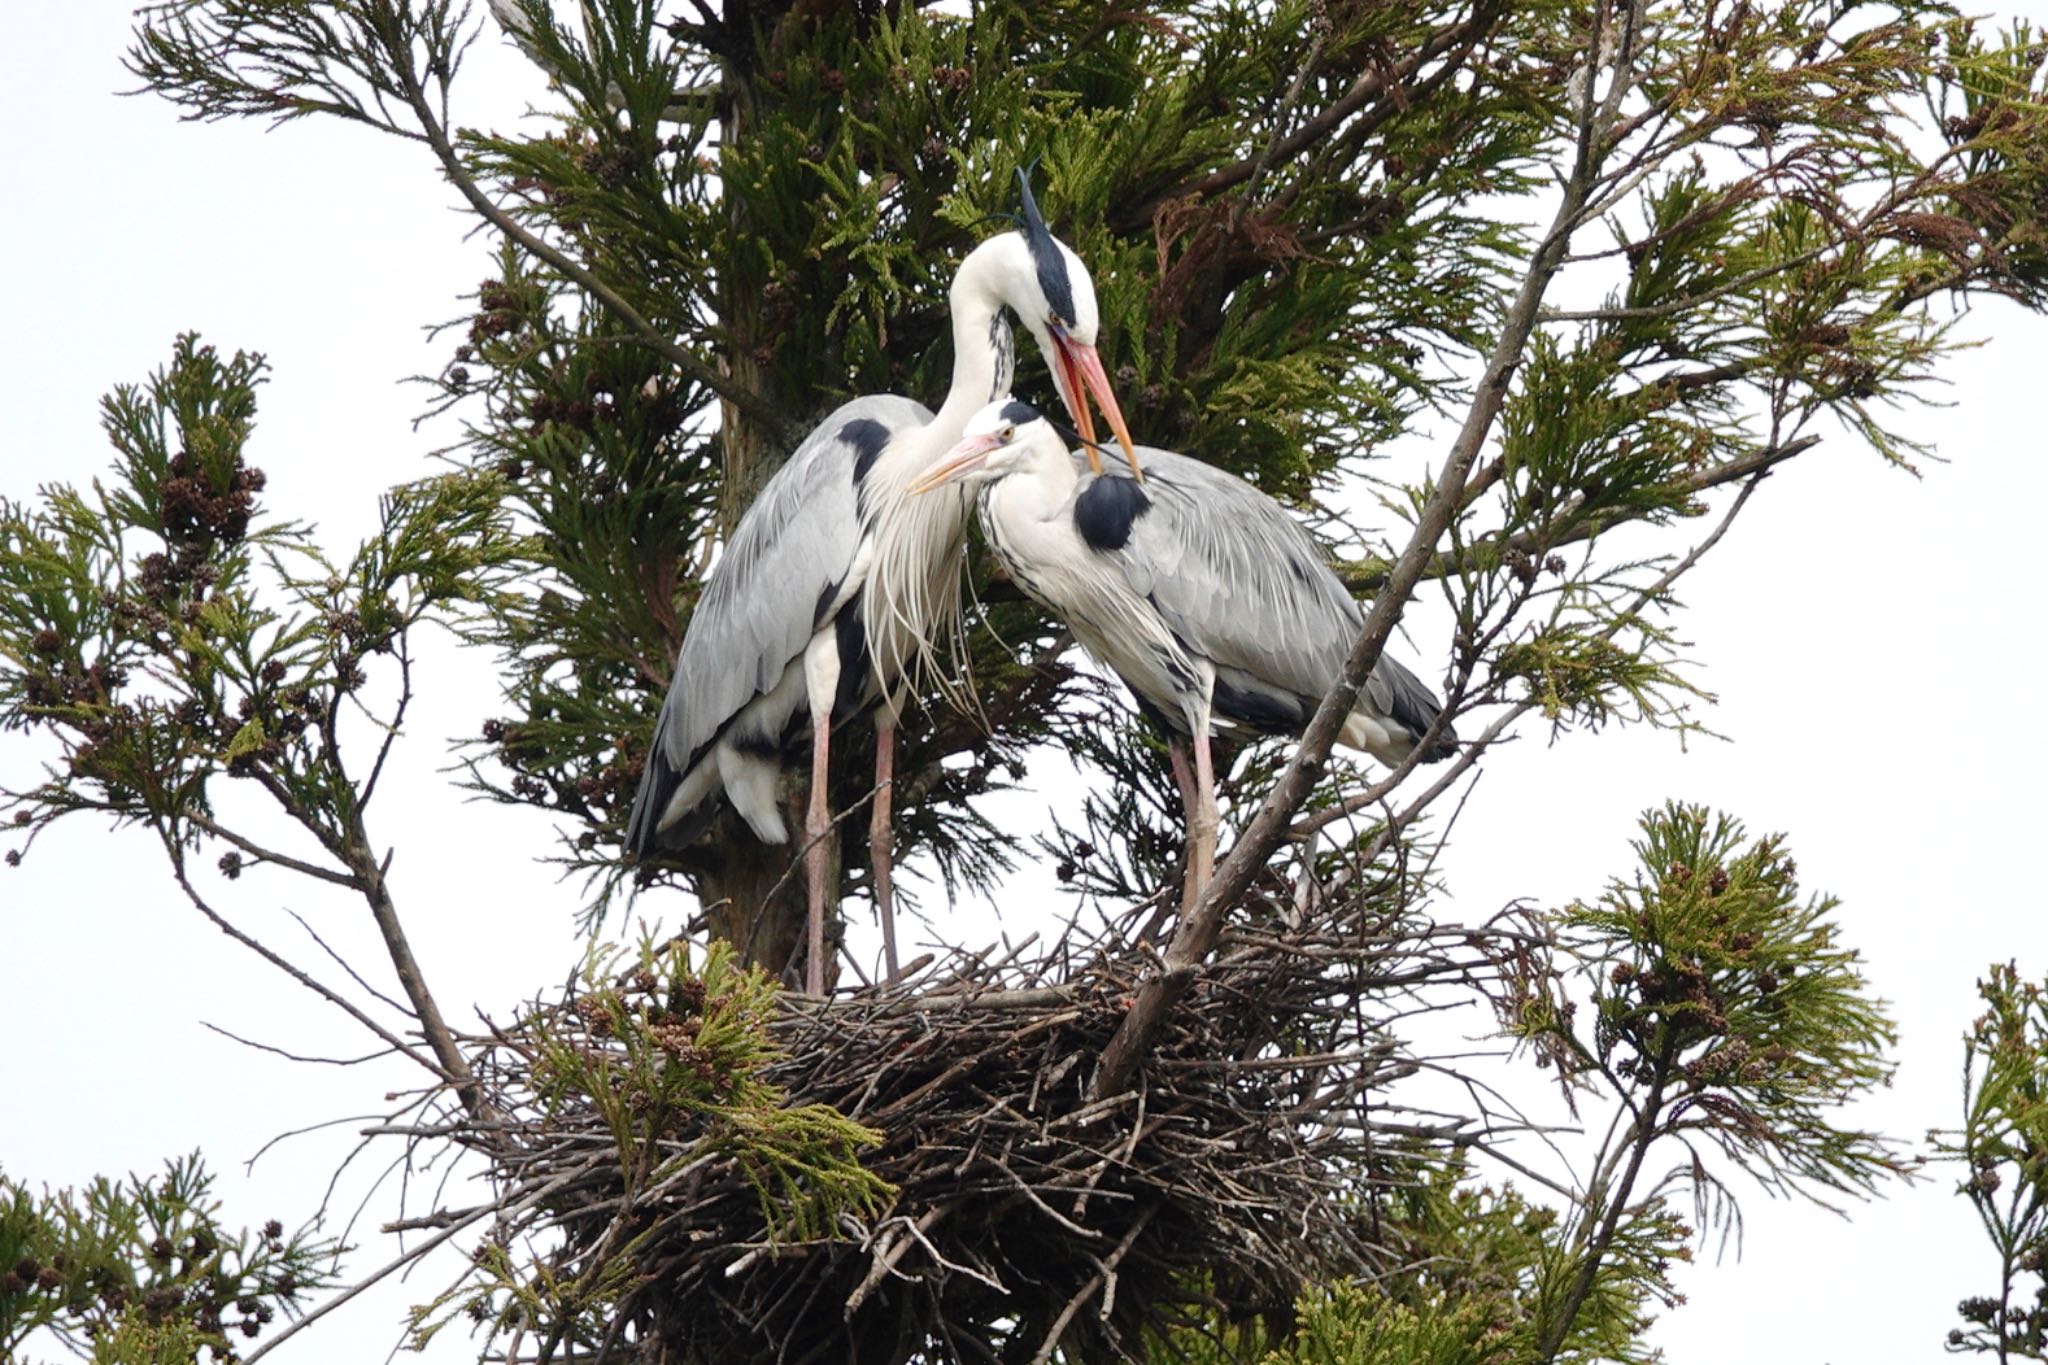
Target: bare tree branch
[[1197, 932]]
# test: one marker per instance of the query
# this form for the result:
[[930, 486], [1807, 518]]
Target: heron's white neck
[[984, 357], [1037, 490]]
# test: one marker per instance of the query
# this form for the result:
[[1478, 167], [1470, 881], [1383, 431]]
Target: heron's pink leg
[[1183, 775], [881, 841], [817, 863], [1198, 858], [1202, 821]]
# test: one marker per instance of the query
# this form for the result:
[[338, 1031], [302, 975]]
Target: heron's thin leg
[[1177, 755], [1202, 822], [817, 828], [881, 843], [1190, 805]]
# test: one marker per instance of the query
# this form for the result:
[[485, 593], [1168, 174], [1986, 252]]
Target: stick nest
[[1022, 1215]]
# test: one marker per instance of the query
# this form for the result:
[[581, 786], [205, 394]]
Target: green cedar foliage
[[1728, 1026], [2003, 1144], [1725, 1028], [689, 1046], [1485, 1269], [140, 1272], [173, 638], [174, 641], [661, 1059]]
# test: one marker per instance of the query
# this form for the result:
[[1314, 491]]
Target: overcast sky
[[1872, 638]]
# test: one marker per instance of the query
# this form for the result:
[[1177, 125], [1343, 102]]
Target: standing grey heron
[[1212, 604], [835, 581]]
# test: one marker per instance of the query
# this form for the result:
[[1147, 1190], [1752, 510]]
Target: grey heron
[[834, 580], [1214, 606]]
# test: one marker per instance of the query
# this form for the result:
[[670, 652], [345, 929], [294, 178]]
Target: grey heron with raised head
[[1212, 604], [835, 580]]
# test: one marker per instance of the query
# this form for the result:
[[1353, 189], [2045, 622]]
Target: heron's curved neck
[[1038, 492], [984, 358]]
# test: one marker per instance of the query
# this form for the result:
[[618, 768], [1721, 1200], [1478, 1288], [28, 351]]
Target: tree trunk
[[753, 893]]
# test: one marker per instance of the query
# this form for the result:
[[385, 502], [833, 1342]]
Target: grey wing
[[767, 593], [1239, 580], [1236, 577]]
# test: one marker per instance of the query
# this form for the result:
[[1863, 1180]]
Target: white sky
[[1867, 634]]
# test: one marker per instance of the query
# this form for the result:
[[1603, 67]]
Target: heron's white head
[[1006, 437], [1041, 280]]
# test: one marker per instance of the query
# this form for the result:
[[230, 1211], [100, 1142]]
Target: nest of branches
[[1015, 1213]]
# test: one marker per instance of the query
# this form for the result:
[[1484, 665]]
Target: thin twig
[[294, 1056], [264, 855], [1101, 1277], [411, 1255], [325, 992]]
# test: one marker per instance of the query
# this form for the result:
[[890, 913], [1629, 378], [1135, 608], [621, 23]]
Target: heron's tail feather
[[1413, 707], [658, 782]]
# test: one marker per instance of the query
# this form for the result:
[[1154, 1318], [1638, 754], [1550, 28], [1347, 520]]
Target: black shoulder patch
[[1107, 509], [1045, 255], [867, 437], [825, 596], [1017, 412]]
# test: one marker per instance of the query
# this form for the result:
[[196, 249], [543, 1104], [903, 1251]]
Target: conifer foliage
[[2002, 1148], [1619, 259], [140, 1272]]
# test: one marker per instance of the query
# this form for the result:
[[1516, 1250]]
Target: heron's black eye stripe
[[1045, 256], [1052, 278]]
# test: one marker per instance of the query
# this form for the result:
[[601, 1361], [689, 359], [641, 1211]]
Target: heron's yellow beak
[[1077, 373], [962, 460]]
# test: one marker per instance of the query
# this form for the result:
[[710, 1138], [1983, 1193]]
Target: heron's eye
[[1006, 435]]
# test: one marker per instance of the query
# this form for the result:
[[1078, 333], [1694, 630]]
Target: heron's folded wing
[[781, 570], [1236, 577]]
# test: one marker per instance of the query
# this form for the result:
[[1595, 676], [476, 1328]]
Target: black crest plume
[[1045, 253]]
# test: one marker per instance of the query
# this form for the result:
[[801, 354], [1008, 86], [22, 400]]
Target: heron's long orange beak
[[962, 460], [1077, 373]]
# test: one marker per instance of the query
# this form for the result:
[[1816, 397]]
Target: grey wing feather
[[1396, 692], [760, 608], [1242, 582], [1236, 577]]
